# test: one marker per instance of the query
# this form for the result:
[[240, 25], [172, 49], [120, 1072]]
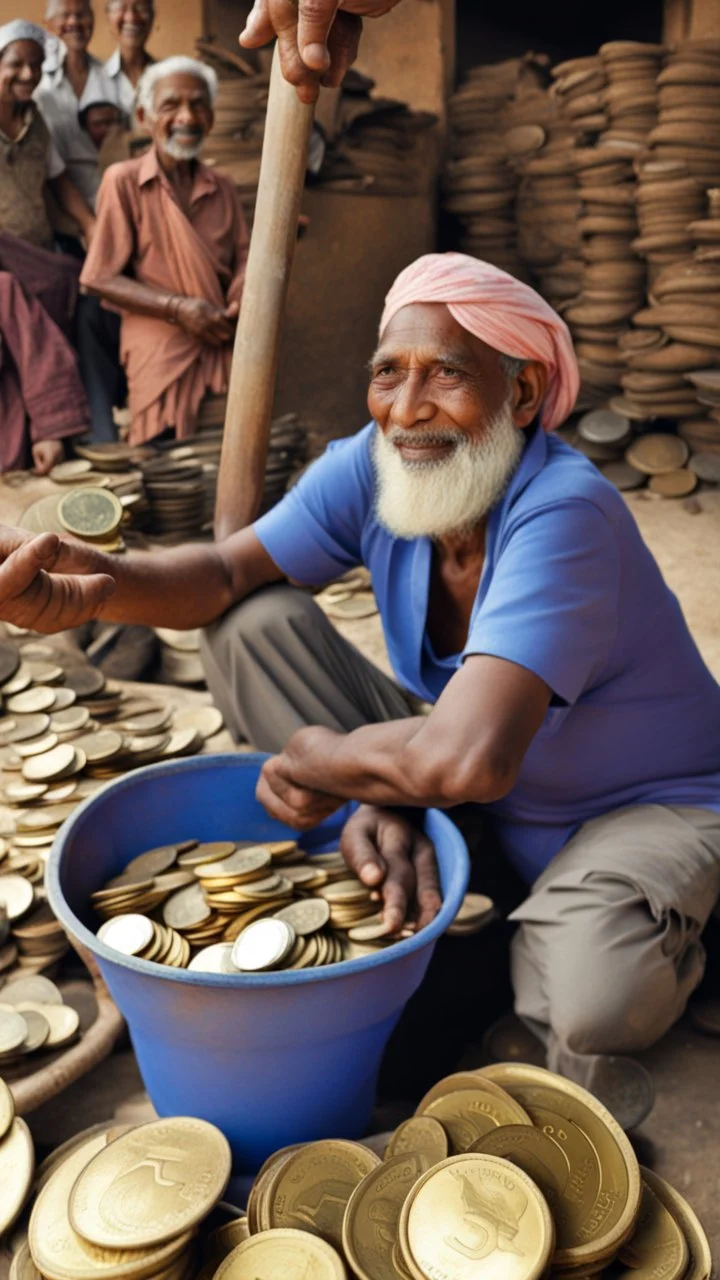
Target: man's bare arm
[[470, 748], [197, 316], [49, 583]]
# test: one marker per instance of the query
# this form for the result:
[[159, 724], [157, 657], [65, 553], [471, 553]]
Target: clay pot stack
[[579, 88], [630, 96], [668, 198], [379, 147], [688, 127], [479, 184], [234, 144]]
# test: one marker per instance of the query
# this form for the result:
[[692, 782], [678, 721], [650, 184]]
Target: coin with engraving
[[656, 1236], [90, 512], [17, 1165], [471, 1080], [306, 916], [151, 1184], [467, 1114], [264, 944], [60, 1253], [472, 1213], [422, 1135], [700, 1262], [573, 1118], [312, 1187], [370, 1224], [282, 1255], [567, 1183]]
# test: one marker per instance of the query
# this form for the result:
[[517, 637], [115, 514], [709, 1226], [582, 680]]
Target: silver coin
[[603, 426], [263, 945]]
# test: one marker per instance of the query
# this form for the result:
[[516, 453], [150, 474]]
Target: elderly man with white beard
[[568, 701]]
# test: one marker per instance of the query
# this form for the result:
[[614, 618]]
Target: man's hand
[[318, 39], [212, 325], [46, 454], [47, 583], [299, 807], [390, 855]]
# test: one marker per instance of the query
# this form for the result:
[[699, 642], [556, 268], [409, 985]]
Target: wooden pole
[[251, 392]]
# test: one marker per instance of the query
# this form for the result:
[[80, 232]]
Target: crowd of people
[[119, 282]]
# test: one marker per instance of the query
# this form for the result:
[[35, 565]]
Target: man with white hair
[[569, 702], [169, 254]]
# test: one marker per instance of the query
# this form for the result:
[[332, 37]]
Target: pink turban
[[501, 311]]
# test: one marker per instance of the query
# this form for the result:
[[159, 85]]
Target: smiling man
[[169, 254], [568, 699]]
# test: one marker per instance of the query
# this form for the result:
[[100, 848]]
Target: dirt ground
[[681, 1138]]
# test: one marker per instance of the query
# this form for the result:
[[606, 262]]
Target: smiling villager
[[169, 254], [568, 702]]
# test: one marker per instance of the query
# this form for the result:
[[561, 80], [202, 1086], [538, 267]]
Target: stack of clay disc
[[688, 127], [613, 279], [630, 98], [234, 144], [579, 88], [547, 205], [663, 458], [479, 185], [668, 199]]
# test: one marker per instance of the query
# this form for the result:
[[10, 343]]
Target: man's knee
[[611, 981], [261, 618]]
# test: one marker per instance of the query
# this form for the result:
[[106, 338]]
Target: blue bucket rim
[[457, 884]]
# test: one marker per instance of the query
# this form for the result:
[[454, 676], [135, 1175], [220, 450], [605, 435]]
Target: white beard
[[183, 150], [450, 496]]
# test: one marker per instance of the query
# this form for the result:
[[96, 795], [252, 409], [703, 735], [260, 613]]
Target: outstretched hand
[[49, 583], [395, 858], [318, 39]]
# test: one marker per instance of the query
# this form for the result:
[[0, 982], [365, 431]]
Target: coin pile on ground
[[349, 598], [241, 907], [35, 1021], [505, 1160]]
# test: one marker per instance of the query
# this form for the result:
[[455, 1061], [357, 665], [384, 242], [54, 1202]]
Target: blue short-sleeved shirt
[[570, 591]]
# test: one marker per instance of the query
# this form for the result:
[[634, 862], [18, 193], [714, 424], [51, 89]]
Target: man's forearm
[[184, 587], [369, 764], [125, 294]]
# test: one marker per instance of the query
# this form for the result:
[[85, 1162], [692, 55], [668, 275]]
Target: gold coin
[[16, 896], [34, 990], [195, 855], [90, 512], [156, 1181], [53, 764], [226, 1238], [183, 742], [656, 1236], [700, 1264], [151, 863], [207, 721], [35, 746], [62, 1021], [103, 745], [654, 454], [31, 701], [130, 933], [186, 908], [61, 1254], [64, 698], [69, 719], [476, 1213], [241, 862], [38, 1030], [370, 1224], [468, 1114], [22, 1266], [306, 916], [282, 1255], [372, 930], [471, 1080], [595, 1143], [17, 1165], [263, 945], [24, 792], [7, 1110], [312, 1187], [422, 1135]]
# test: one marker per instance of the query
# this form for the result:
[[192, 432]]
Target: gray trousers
[[608, 946]]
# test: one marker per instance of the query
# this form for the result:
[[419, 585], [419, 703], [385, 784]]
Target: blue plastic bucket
[[272, 1058]]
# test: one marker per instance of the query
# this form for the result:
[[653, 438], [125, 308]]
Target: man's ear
[[528, 392]]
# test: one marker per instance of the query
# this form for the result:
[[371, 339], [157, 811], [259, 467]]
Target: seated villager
[[570, 704], [29, 162], [131, 22], [42, 401], [169, 254]]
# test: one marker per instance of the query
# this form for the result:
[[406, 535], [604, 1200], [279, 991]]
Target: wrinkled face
[[448, 441], [182, 116], [20, 71], [99, 121], [72, 21], [131, 21]]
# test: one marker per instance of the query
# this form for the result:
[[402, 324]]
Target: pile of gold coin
[[34, 1019], [508, 1172], [239, 907]]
